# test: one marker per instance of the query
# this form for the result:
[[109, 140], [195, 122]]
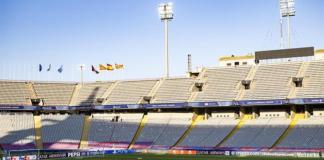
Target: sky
[[129, 32]]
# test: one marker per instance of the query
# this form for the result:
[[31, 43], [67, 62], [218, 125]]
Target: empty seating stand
[[113, 130], [258, 133], [61, 130], [58, 94], [14, 93], [308, 133], [208, 133], [163, 129], [220, 81], [272, 81], [313, 85], [17, 131], [89, 92], [130, 92], [174, 90]]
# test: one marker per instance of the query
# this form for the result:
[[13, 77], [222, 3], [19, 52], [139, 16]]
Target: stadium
[[264, 105], [260, 109]]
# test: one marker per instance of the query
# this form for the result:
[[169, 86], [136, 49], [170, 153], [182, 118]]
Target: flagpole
[[82, 67]]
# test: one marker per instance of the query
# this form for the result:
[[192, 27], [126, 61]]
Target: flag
[[60, 70], [119, 66], [110, 67], [49, 67], [40, 67], [102, 67], [93, 69]]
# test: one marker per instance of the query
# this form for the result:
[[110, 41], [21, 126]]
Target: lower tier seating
[[17, 131], [113, 130], [61, 130], [262, 132], [164, 129], [308, 133], [209, 133]]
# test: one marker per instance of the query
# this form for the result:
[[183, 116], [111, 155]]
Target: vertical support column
[[292, 111], [38, 131], [85, 132], [307, 111], [254, 113], [242, 112]]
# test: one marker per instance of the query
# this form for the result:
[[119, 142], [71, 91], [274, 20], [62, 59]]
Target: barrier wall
[[274, 102]]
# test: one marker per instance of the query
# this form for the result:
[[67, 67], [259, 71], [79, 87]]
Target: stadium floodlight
[[166, 15], [287, 9]]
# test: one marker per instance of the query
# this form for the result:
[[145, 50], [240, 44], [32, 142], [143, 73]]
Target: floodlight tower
[[287, 9], [166, 15]]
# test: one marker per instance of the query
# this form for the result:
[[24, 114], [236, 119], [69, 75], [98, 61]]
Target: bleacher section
[[58, 94], [163, 129], [113, 130], [174, 90], [220, 81], [16, 93], [313, 85], [17, 131], [89, 92], [261, 132], [308, 133], [130, 92], [208, 133], [272, 81], [61, 130]]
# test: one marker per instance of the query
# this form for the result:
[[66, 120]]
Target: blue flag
[[60, 70], [49, 67], [40, 67]]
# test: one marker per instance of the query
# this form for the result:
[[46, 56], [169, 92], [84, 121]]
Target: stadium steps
[[192, 125], [138, 131], [108, 91], [234, 130], [291, 126], [85, 132], [155, 88], [38, 131], [200, 78], [31, 90], [250, 76], [75, 94], [301, 73]]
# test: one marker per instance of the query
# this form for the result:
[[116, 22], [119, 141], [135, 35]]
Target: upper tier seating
[[220, 81], [174, 90], [308, 133], [261, 132], [89, 92], [62, 128], [164, 129], [14, 93], [114, 127], [54, 93], [16, 129], [272, 81], [130, 92], [210, 132], [313, 85]]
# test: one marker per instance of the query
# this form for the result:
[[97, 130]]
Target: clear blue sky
[[73, 32]]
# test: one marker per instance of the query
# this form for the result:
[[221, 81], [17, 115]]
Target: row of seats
[[160, 130], [164, 129], [118, 128], [270, 81]]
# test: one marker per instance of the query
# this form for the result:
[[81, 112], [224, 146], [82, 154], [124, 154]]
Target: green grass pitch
[[182, 157]]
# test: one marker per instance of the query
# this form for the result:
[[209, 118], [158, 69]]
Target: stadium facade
[[267, 107]]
